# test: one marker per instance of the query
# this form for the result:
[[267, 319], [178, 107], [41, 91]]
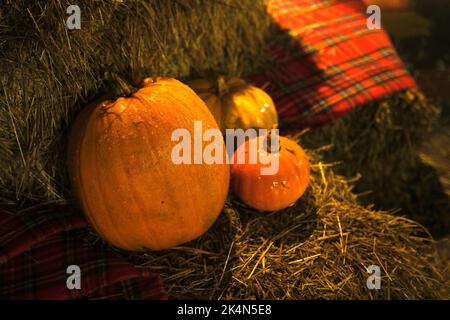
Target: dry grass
[[381, 144], [318, 249]]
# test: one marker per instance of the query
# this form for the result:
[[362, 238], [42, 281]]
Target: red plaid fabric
[[38, 244], [339, 64]]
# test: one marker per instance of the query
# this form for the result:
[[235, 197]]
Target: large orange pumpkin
[[123, 175], [275, 191], [235, 104]]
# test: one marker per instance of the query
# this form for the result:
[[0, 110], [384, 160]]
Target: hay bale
[[48, 72], [380, 144], [319, 248]]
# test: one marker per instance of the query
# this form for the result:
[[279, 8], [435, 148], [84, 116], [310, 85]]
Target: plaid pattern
[[38, 244], [337, 64]]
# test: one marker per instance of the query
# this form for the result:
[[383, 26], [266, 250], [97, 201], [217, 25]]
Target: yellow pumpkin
[[236, 104], [123, 175]]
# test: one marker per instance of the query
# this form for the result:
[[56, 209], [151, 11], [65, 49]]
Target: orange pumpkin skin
[[272, 192], [124, 178]]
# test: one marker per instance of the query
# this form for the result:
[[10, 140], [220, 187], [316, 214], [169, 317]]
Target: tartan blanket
[[38, 244], [338, 64]]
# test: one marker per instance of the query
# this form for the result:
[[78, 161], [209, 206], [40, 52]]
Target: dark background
[[420, 31]]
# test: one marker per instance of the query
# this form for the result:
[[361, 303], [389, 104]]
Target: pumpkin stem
[[269, 143], [222, 87], [121, 86]]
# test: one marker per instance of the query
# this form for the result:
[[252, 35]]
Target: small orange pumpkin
[[123, 175], [276, 191], [236, 104]]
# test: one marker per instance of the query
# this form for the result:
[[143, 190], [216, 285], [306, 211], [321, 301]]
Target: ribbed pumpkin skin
[[123, 176], [272, 192]]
